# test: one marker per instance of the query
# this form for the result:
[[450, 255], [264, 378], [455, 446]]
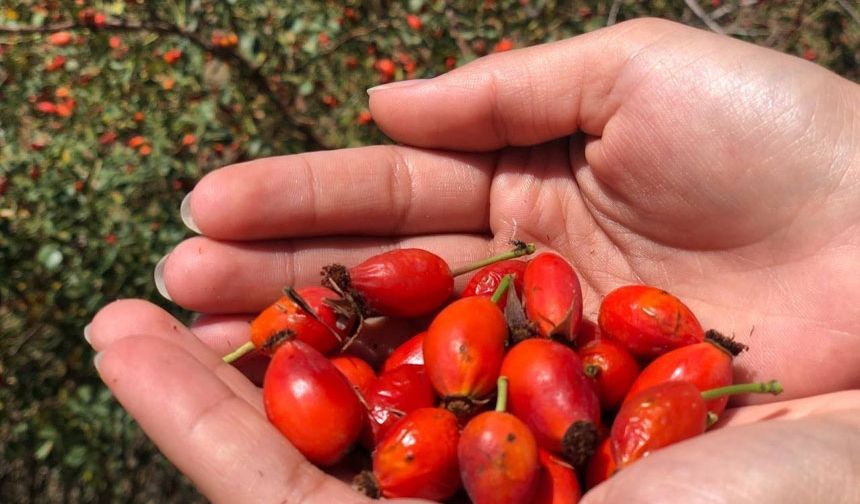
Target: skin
[[644, 153]]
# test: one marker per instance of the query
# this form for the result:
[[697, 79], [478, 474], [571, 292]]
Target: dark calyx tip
[[276, 339], [579, 443], [365, 482], [522, 330], [461, 407], [726, 343], [336, 277]]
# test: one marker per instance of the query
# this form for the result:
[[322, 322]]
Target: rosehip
[[553, 296], [648, 321], [558, 483], [612, 369], [410, 351], [551, 394], [498, 456], [666, 414], [486, 280], [706, 365], [463, 351], [394, 394], [356, 370], [312, 314], [417, 458], [404, 282], [312, 403], [601, 466]]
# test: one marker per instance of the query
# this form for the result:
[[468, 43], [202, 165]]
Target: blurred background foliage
[[112, 110]]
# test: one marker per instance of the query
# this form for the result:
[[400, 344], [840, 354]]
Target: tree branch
[[252, 72]]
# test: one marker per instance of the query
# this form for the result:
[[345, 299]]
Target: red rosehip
[[612, 369], [666, 414], [410, 351], [498, 457], [356, 370], [553, 296], [312, 403], [486, 280], [417, 458], [292, 316], [601, 466], [393, 395], [706, 365], [648, 321], [558, 483], [463, 351], [550, 392]]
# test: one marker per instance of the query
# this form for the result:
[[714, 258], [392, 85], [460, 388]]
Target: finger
[[135, 317], [382, 191], [796, 461], [790, 410], [227, 448], [231, 277], [523, 97]]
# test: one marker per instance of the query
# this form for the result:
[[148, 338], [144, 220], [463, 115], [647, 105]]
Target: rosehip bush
[[112, 110]]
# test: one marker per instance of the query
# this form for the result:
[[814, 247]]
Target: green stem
[[239, 352], [502, 288], [518, 251], [771, 387], [502, 394]]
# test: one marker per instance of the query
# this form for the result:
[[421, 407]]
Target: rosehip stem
[[771, 387], [502, 394], [502, 288], [239, 352], [519, 251]]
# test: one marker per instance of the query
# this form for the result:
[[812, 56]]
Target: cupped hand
[[645, 153]]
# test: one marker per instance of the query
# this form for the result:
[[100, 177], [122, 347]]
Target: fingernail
[[185, 213], [396, 85], [158, 276], [96, 360], [87, 335]]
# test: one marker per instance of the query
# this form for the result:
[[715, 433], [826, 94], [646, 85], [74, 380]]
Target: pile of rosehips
[[573, 402]]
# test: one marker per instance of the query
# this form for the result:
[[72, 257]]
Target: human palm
[[645, 153]]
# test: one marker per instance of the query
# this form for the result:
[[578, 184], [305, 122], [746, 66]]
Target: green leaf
[[50, 256], [44, 450], [306, 88]]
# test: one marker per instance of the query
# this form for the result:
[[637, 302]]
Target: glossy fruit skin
[[356, 370], [558, 483], [403, 283], [395, 393], [705, 365], [325, 334], [648, 321], [655, 418], [553, 296], [312, 403], [617, 371], [464, 348], [549, 391], [498, 459], [486, 280], [410, 351], [418, 456], [601, 466]]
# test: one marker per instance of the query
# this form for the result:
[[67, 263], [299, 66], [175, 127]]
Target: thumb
[[522, 97]]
